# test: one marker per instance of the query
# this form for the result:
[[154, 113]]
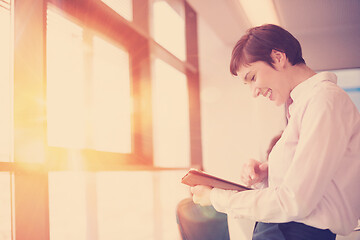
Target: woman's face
[[266, 81]]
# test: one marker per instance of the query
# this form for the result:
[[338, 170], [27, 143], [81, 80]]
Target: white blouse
[[314, 169]]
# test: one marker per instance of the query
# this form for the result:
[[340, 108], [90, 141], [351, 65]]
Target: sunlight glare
[[5, 86], [171, 192], [111, 98], [67, 205], [65, 81], [169, 29], [171, 117], [5, 207], [86, 110], [125, 205]]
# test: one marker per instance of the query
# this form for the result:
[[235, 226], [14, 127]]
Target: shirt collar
[[299, 91]]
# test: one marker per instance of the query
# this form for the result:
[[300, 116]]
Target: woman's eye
[[253, 78]]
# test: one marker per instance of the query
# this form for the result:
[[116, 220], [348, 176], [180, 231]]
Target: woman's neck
[[298, 74]]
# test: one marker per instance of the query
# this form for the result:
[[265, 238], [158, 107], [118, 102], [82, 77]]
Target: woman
[[313, 170]]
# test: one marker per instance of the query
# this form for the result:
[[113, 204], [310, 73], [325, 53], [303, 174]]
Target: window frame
[[29, 179], [131, 35]]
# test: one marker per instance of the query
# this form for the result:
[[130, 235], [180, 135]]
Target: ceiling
[[328, 30]]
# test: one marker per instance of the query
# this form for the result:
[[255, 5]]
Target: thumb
[[263, 166]]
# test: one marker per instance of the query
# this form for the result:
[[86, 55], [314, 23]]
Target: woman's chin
[[278, 103]]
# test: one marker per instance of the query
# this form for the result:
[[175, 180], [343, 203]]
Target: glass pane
[[5, 4], [132, 205], [170, 193], [86, 110], [122, 7], [67, 206], [355, 97], [169, 27], [5, 206], [349, 80], [170, 117], [125, 205], [5, 84], [65, 83], [111, 98]]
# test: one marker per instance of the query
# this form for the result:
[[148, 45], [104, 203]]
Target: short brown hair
[[257, 44]]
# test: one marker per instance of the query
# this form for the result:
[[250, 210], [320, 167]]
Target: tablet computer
[[196, 177]]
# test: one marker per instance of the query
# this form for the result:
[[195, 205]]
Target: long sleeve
[[325, 129]]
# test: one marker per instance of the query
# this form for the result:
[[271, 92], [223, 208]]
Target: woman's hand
[[254, 172], [201, 195]]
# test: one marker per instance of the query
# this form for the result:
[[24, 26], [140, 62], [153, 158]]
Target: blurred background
[[105, 104]]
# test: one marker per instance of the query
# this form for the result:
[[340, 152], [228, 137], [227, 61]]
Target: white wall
[[235, 126]]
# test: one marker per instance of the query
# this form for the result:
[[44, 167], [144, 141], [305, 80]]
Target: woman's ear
[[279, 59]]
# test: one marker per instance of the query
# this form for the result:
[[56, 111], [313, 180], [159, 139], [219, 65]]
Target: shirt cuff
[[220, 199]]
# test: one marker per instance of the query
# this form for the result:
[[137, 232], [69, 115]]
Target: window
[[111, 98], [169, 27], [5, 83], [121, 216], [171, 117], [67, 205], [122, 7], [170, 193], [111, 95], [65, 83], [6, 126], [109, 212], [349, 80], [88, 89], [5, 206]]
